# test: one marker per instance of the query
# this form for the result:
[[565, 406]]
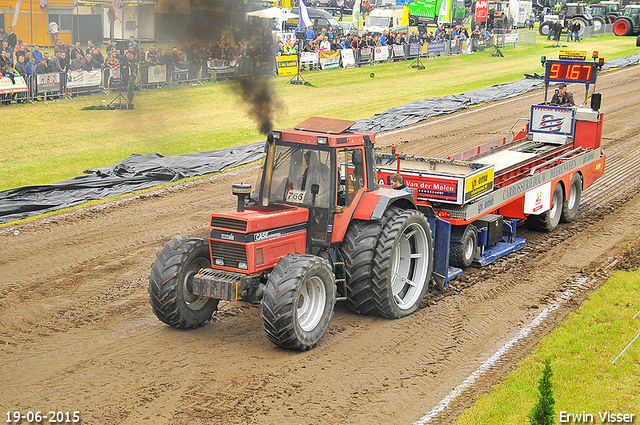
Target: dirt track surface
[[77, 332]]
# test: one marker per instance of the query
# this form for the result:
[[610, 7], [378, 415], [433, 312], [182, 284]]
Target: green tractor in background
[[629, 22], [605, 12]]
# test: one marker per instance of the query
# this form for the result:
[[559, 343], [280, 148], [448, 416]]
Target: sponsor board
[[7, 86], [478, 184], [80, 78], [573, 54], [348, 61], [381, 53], [538, 200], [157, 74], [287, 64], [329, 59], [49, 83]]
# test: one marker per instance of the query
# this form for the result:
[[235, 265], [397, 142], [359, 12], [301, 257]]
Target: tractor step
[[499, 250]]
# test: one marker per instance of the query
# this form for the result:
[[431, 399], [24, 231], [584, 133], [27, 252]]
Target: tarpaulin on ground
[[412, 113], [133, 173]]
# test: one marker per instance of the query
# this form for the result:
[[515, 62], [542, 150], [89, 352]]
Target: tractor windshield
[[297, 170]]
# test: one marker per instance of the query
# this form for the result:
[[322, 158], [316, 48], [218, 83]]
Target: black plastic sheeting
[[133, 173], [413, 113], [144, 171]]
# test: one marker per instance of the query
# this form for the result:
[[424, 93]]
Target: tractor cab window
[[351, 175], [298, 172]]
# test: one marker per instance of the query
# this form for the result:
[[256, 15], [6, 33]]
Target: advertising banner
[[330, 59], [114, 72], [49, 83], [222, 66], [157, 74], [7, 86], [554, 120], [287, 64], [538, 200], [80, 78], [309, 59], [398, 50], [366, 54], [414, 49], [482, 7], [381, 53], [435, 48], [348, 61]]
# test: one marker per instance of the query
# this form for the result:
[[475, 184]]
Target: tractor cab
[[320, 166]]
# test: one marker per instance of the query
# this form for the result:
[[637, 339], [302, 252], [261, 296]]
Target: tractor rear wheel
[[598, 23], [403, 264], [298, 301], [544, 28], [571, 205], [464, 240], [622, 27], [174, 267], [548, 220]]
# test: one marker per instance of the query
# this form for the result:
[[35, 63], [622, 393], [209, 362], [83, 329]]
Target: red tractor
[[318, 223]]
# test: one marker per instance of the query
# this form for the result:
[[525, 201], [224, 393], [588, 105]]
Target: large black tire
[[357, 252], [622, 26], [175, 265], [403, 264], [571, 205], [464, 241], [598, 23], [638, 41], [544, 28], [548, 220], [298, 301]]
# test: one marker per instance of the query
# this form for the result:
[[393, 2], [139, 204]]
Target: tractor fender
[[373, 204]]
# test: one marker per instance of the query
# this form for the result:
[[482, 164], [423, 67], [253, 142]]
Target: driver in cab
[[562, 97]]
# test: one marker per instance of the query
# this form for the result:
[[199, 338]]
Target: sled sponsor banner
[[222, 66], [287, 64], [578, 55], [330, 59], [538, 200], [157, 74], [49, 83], [380, 53], [7, 86], [398, 50], [84, 78], [479, 184], [550, 119], [348, 61]]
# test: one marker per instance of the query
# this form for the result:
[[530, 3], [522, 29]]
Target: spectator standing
[[98, 56], [42, 67], [58, 47], [78, 62], [532, 19], [383, 38], [67, 50], [55, 65], [3, 34], [89, 49], [576, 31], [569, 30], [110, 47], [64, 62], [309, 34], [76, 50], [12, 40]]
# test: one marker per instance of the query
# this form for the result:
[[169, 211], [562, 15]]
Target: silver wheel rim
[[194, 302], [311, 302], [410, 265], [597, 25], [573, 196], [554, 207], [469, 248]]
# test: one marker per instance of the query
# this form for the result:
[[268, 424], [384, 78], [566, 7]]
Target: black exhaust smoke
[[257, 92]]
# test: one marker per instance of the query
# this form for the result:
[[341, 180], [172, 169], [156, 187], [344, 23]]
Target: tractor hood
[[258, 219]]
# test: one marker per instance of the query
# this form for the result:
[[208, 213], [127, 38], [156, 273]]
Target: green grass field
[[581, 350], [53, 141]]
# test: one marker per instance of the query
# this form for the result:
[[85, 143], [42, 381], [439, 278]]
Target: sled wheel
[[571, 205], [463, 248]]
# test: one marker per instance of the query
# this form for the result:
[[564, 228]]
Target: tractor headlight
[[243, 265], [322, 140], [218, 261]]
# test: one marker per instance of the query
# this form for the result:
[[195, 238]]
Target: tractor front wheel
[[544, 28], [403, 264], [298, 301], [171, 274]]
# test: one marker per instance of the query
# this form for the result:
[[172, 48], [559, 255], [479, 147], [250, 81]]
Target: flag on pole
[[116, 8], [16, 14], [356, 12], [305, 22]]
